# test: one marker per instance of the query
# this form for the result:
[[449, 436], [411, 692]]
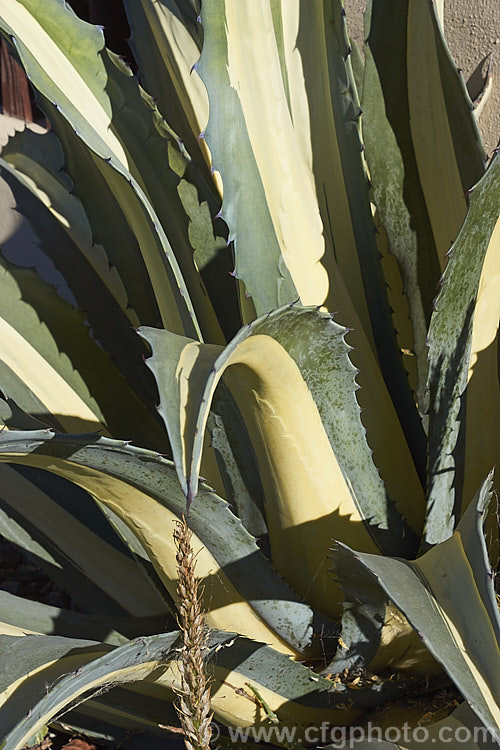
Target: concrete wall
[[472, 29]]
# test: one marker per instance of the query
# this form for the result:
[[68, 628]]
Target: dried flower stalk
[[193, 702]]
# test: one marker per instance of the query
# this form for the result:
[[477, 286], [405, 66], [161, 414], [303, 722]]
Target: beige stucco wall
[[472, 29]]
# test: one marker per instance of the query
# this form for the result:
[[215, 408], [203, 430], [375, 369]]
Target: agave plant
[[256, 253]]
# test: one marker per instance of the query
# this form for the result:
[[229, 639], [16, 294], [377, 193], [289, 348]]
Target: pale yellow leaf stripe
[[74, 87], [314, 123], [255, 74], [64, 75], [232, 700], [154, 526], [7, 629], [47, 384], [106, 566], [137, 219], [68, 212], [401, 650], [453, 597], [47, 673], [309, 501], [179, 53], [234, 704], [483, 394]]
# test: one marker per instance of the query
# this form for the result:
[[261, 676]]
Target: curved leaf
[[241, 671], [242, 592], [375, 635], [292, 379], [64, 236], [16, 612], [446, 597], [59, 524], [55, 371], [88, 87]]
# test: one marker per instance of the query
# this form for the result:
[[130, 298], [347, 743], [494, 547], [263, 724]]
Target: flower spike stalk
[[193, 704]]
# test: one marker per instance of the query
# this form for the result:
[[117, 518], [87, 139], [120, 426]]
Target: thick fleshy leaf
[[447, 596], [57, 524], [286, 186], [239, 470], [54, 370], [79, 81], [325, 108], [434, 124], [35, 161], [28, 616], [109, 228], [423, 148], [388, 173], [33, 174], [174, 187], [178, 359], [464, 392], [30, 663], [242, 592], [246, 677], [166, 43], [462, 728], [296, 198], [375, 635], [448, 148], [33, 664], [292, 364]]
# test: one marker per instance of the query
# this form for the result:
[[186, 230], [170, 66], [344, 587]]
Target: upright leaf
[[446, 595], [166, 42], [464, 393], [296, 197]]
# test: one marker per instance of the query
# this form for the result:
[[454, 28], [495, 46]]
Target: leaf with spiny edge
[[300, 218], [42, 196], [240, 670], [445, 136], [422, 166], [388, 172], [36, 159], [242, 591], [54, 370], [463, 386], [166, 43], [33, 665], [56, 523], [261, 256], [81, 82], [375, 636], [292, 364], [448, 597]]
